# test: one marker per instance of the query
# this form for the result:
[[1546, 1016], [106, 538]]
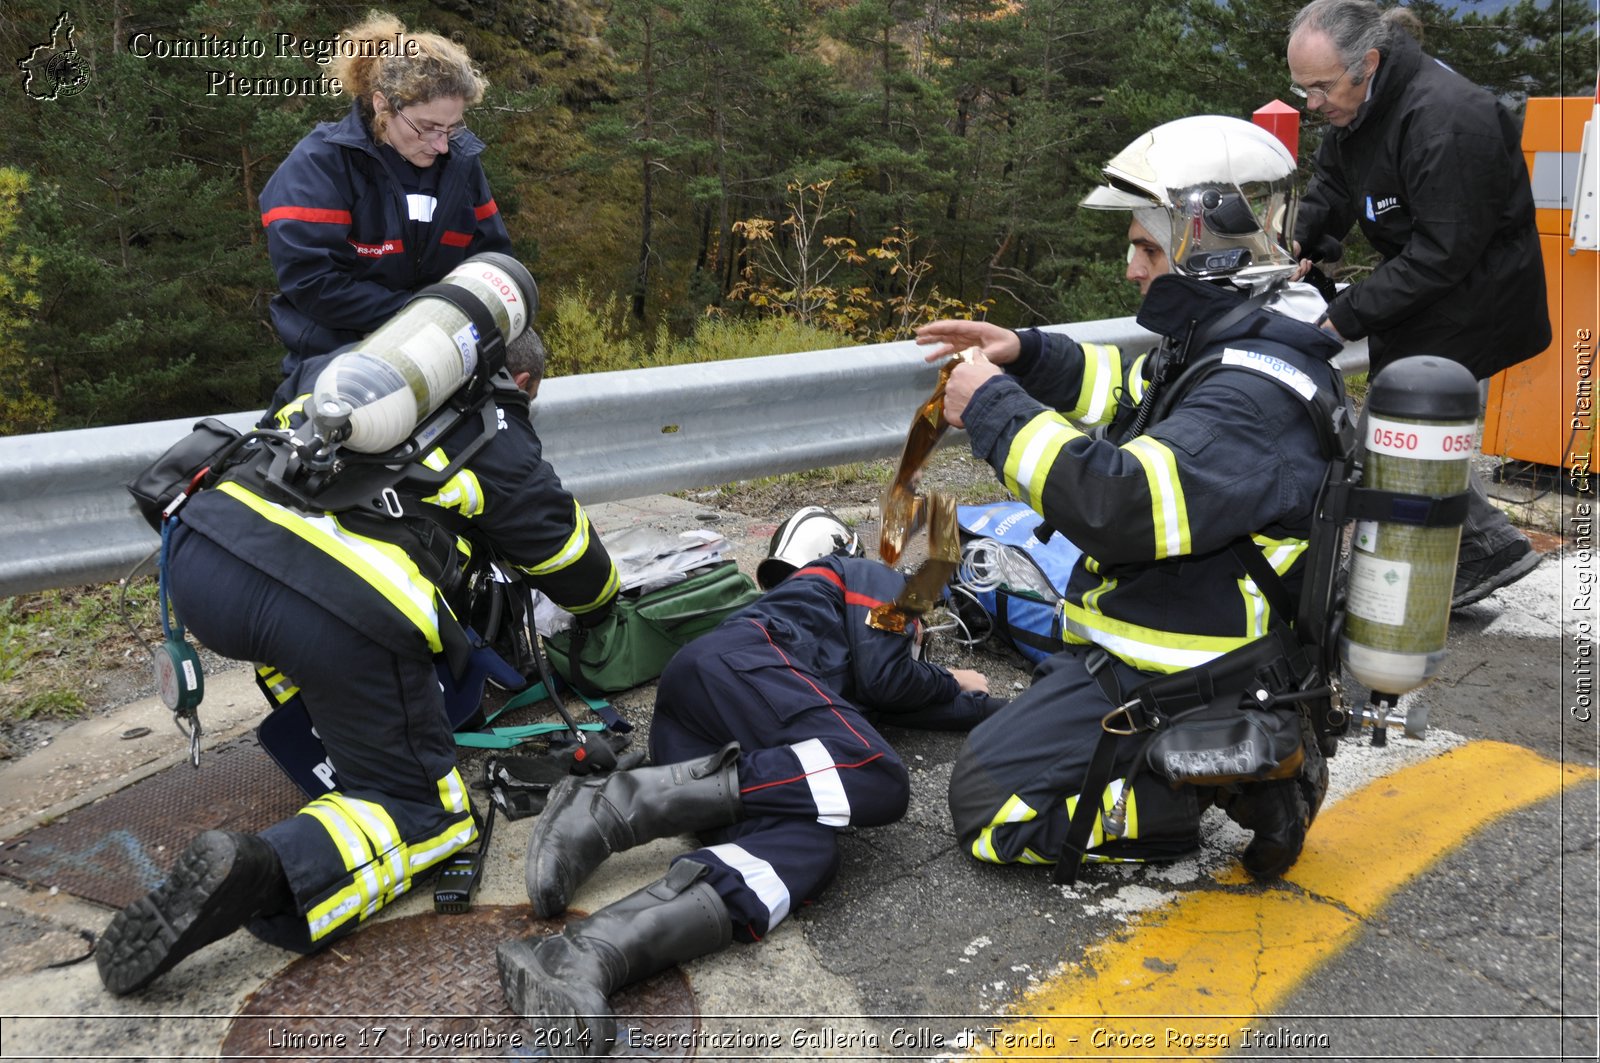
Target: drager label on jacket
[[1276, 368], [1383, 206]]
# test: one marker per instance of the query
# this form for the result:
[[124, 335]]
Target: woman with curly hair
[[368, 210]]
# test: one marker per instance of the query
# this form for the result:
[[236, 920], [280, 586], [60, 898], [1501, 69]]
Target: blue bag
[[1017, 580]]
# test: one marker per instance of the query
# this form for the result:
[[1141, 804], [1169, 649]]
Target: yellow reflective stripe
[[1015, 810], [1146, 648], [333, 913], [280, 686], [383, 565], [430, 851], [1097, 833], [609, 591], [388, 866], [1169, 511], [1281, 554], [575, 546], [285, 416], [1102, 375], [462, 491], [453, 797], [381, 864], [1108, 801], [1136, 379], [453, 792], [366, 885], [1255, 608], [335, 910], [350, 842], [1091, 600], [1032, 454]]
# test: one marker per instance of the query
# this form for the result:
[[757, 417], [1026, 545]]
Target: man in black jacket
[[1431, 168]]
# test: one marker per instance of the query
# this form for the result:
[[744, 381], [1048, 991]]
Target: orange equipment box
[[1541, 411]]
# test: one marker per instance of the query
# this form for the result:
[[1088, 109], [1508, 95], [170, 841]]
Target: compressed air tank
[[372, 397], [1421, 435]]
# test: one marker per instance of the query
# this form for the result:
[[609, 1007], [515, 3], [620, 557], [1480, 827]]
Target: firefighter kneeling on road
[[353, 621], [762, 747], [1212, 451]]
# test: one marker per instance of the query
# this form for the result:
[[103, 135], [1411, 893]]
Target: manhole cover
[[427, 986]]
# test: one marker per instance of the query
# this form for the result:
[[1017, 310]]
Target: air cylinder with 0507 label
[[1421, 434], [371, 397]]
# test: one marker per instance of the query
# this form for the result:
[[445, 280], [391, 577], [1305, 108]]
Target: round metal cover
[[427, 986]]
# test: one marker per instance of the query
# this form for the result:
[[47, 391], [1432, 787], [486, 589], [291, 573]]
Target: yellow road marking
[[1188, 979]]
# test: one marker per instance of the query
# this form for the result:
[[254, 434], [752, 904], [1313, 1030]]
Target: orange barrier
[[1541, 410]]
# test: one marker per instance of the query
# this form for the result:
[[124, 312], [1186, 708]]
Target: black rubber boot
[[590, 817], [222, 881], [560, 982], [1278, 814]]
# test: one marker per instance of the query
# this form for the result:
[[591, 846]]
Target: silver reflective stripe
[[827, 788], [760, 877]]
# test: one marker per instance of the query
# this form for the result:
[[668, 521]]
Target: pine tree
[[142, 254], [22, 408]]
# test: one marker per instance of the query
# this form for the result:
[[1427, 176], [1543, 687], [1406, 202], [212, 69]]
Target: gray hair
[[526, 354], [1354, 26]]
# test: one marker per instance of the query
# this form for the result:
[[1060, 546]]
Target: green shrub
[[589, 336]]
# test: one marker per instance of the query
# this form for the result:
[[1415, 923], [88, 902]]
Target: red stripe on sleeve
[[851, 597], [313, 214], [488, 210]]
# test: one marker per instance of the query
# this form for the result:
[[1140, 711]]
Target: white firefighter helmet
[[812, 532], [1227, 189]]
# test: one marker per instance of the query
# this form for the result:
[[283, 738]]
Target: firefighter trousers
[[809, 766], [1021, 772], [402, 806]]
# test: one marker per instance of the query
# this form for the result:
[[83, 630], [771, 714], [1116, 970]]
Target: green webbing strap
[[510, 737], [537, 693]]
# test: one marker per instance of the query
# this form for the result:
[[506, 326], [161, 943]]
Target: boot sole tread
[[144, 940], [542, 999]]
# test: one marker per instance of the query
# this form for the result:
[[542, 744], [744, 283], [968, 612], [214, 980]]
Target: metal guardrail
[[65, 518]]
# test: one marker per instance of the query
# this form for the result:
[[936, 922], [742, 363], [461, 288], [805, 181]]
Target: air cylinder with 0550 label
[[1421, 434]]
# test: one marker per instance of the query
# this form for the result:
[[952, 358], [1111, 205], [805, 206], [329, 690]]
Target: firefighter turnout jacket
[[354, 231], [1236, 457]]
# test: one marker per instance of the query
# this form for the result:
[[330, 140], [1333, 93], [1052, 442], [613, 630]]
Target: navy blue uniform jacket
[[818, 618], [341, 241]]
